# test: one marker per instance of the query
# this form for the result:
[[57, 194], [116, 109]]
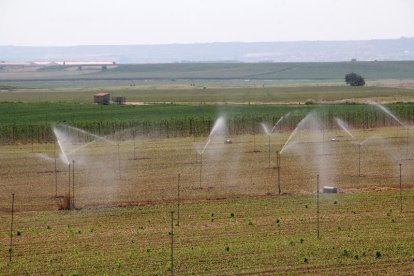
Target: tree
[[354, 79]]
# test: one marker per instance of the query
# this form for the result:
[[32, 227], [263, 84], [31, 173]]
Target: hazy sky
[[87, 22]]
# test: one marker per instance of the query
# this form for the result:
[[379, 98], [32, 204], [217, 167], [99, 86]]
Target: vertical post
[[406, 150], [401, 203], [119, 163], [178, 199], [55, 169], [32, 138], [359, 159], [135, 156], [73, 184], [55, 179], [11, 230], [317, 205], [201, 168], [254, 141], [278, 171], [269, 148], [172, 242], [69, 199]]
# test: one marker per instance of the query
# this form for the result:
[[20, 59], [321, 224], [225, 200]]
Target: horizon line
[[202, 43]]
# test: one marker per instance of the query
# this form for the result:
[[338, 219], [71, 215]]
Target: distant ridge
[[302, 51]]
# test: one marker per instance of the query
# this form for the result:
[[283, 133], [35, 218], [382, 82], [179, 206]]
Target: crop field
[[210, 169], [232, 221], [214, 95], [32, 122], [266, 235], [320, 71]]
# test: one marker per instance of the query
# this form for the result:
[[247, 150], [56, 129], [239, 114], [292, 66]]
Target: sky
[[126, 22]]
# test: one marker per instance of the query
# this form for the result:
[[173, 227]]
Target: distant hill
[[306, 51]]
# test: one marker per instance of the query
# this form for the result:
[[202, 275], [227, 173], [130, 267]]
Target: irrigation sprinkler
[[359, 159], [278, 171], [69, 186], [73, 184], [11, 230], [401, 203], [119, 163], [55, 170], [201, 168], [317, 205], [268, 144], [172, 242], [178, 199]]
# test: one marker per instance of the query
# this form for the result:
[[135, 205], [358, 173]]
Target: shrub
[[353, 79]]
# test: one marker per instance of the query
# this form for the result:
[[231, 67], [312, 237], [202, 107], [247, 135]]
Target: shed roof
[[101, 94]]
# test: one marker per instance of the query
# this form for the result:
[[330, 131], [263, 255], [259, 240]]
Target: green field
[[227, 71], [188, 95], [25, 122]]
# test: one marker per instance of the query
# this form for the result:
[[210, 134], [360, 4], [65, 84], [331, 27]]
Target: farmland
[[316, 71], [31, 122], [247, 196], [235, 224], [210, 240]]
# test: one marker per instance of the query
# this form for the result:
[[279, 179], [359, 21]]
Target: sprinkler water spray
[[269, 133], [217, 130]]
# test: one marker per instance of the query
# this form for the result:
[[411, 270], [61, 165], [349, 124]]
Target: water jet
[[217, 130]]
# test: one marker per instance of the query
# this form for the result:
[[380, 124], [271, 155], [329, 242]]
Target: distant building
[[102, 98], [118, 100]]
